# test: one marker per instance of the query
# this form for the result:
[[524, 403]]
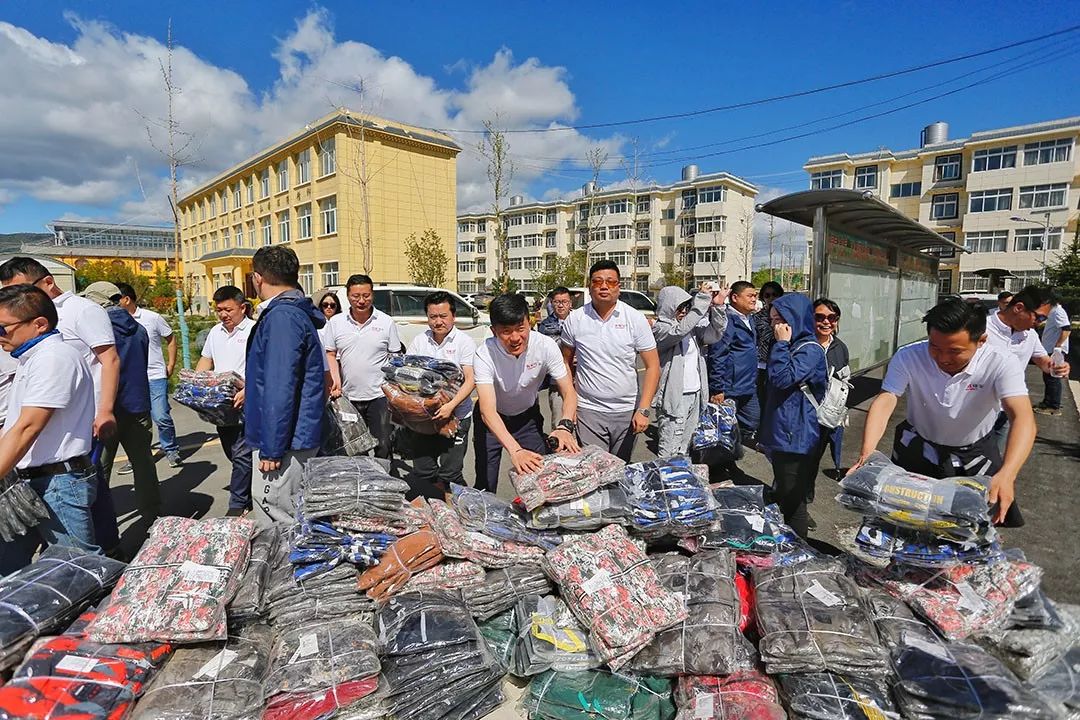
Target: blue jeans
[[68, 496], [159, 411]]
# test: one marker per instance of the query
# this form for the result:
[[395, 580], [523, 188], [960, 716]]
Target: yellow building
[[998, 192], [143, 249], [317, 191]]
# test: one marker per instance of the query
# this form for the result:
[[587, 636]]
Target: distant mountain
[[13, 242]]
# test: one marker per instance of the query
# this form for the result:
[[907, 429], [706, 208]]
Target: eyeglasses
[[831, 317], [4, 328], [604, 282], [1039, 317], [329, 305]]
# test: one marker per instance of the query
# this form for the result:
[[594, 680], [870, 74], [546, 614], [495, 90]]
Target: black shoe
[[810, 524], [236, 512]]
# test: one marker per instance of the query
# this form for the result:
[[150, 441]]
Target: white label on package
[[929, 648], [597, 582], [76, 664], [969, 598], [483, 539], [567, 460], [758, 523], [349, 417], [578, 504], [825, 597], [216, 664], [703, 706], [308, 645], [194, 572]]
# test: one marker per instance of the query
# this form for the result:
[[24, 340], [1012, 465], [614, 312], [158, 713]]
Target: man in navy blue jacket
[[733, 363], [285, 387]]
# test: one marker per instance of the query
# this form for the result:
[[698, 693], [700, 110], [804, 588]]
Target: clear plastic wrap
[[291, 603], [249, 602], [601, 507], [417, 412], [744, 695], [669, 496], [318, 547], [483, 512], [1035, 610], [1059, 682], [563, 477], [459, 542], [549, 638], [1029, 651], [745, 523], [463, 575], [916, 548], [828, 696], [210, 394], [21, 509], [348, 434], [408, 556], [424, 375], [717, 433], [500, 635], [502, 588], [357, 486], [597, 694]]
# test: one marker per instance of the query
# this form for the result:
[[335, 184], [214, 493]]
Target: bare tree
[[772, 241], [745, 251], [595, 158], [495, 148]]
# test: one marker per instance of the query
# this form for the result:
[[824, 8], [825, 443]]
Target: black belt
[[75, 464]]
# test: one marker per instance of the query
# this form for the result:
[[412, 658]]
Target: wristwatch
[[645, 411], [568, 425]]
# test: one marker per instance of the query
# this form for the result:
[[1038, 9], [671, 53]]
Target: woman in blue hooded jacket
[[790, 433]]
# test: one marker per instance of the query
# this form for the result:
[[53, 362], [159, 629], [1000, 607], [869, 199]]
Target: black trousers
[[376, 414], [793, 477], [527, 428], [438, 461]]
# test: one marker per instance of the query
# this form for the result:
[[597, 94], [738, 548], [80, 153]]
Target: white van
[[637, 300]]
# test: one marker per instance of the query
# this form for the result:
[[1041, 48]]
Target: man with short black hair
[[601, 343], [509, 368], [956, 383], [560, 304], [284, 385], [733, 362], [358, 344], [1055, 336], [1004, 298]]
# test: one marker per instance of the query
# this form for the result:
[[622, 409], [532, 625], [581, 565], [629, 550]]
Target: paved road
[[1048, 489]]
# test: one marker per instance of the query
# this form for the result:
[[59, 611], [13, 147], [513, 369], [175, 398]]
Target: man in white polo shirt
[[509, 369], [602, 341], [225, 350], [1055, 336], [48, 432], [956, 383], [358, 344]]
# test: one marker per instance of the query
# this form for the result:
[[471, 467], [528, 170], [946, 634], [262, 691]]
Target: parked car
[[637, 300], [987, 300]]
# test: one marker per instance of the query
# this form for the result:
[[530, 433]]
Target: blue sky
[[80, 78]]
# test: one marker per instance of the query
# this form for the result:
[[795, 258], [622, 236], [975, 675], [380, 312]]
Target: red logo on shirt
[[532, 365], [971, 387]]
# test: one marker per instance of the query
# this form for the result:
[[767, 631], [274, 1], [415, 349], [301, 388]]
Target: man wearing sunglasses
[[605, 337]]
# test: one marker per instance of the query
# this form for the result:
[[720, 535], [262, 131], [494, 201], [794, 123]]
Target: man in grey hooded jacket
[[684, 325]]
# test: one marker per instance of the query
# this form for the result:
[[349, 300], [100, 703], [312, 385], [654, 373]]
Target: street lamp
[[1045, 225]]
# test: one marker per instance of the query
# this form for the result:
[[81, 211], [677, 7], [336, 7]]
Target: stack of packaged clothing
[[549, 638], [20, 507], [213, 681], [744, 695], [211, 394], [323, 669], [607, 581], [709, 641], [502, 588], [601, 507], [435, 662], [669, 496], [881, 540], [408, 556], [1035, 610], [463, 575], [48, 594], [347, 433], [554, 695], [357, 487], [813, 618], [317, 547], [70, 676], [458, 542], [416, 387], [717, 433], [333, 594], [249, 603], [829, 696], [567, 477], [1029, 651], [179, 583], [744, 523], [483, 512], [500, 634], [1059, 683]]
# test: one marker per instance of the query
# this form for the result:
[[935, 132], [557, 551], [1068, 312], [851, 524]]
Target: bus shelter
[[877, 264]]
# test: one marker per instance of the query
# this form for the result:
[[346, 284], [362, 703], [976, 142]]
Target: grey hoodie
[[669, 335]]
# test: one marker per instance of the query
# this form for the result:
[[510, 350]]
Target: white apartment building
[[997, 192], [699, 224]]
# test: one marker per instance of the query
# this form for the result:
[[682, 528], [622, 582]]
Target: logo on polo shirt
[[532, 365], [971, 387], [620, 326]]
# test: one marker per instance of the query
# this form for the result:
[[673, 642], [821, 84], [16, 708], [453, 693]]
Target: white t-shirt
[[53, 374], [605, 353], [157, 329], [8, 365], [517, 379], [362, 351], [85, 325], [1023, 345], [456, 347], [691, 378], [1056, 321], [227, 349], [954, 410]]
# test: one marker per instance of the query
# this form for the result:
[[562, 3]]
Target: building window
[[213, 244], [213, 205], [251, 235], [970, 282], [533, 240], [329, 273], [264, 183], [945, 207], [514, 242], [643, 231], [466, 266], [947, 167], [689, 199], [827, 180], [641, 258], [327, 158], [238, 235], [712, 194], [990, 200], [328, 212], [267, 238], [866, 177], [619, 258], [667, 241], [994, 159], [533, 263], [944, 282], [236, 196], [514, 263], [481, 226], [1031, 238], [712, 224], [550, 241], [908, 189], [643, 204], [989, 241], [307, 279], [943, 251], [1048, 151], [250, 192], [551, 217], [641, 283], [481, 245], [619, 232], [466, 246], [283, 226], [1043, 196], [466, 227], [481, 265], [710, 255], [224, 202], [303, 167], [687, 227], [669, 214], [513, 220], [303, 221], [283, 176]]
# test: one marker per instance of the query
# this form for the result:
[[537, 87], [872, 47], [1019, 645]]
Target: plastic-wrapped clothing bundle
[[718, 432], [458, 542], [590, 512], [333, 594], [483, 512], [549, 638], [960, 600], [895, 623], [70, 677], [609, 584], [960, 681], [1035, 610], [500, 635], [828, 696], [48, 593], [423, 375], [556, 695], [954, 507], [814, 618], [563, 477], [318, 660], [318, 546], [406, 557], [348, 433], [179, 583], [668, 496], [745, 523], [879, 539], [709, 641], [20, 507], [463, 575], [1059, 682], [744, 695], [357, 486], [212, 681], [211, 395], [414, 515], [417, 412], [1028, 651], [502, 588], [249, 602]]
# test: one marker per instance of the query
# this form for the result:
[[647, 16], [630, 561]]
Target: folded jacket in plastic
[[564, 477], [669, 496], [211, 395], [549, 638], [359, 486], [556, 695], [484, 512], [744, 695]]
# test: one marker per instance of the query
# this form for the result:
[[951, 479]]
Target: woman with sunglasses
[[330, 306], [826, 327]]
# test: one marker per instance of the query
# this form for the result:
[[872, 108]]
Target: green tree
[[764, 275], [565, 271], [1063, 275], [673, 274], [505, 284], [428, 259], [101, 270]]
